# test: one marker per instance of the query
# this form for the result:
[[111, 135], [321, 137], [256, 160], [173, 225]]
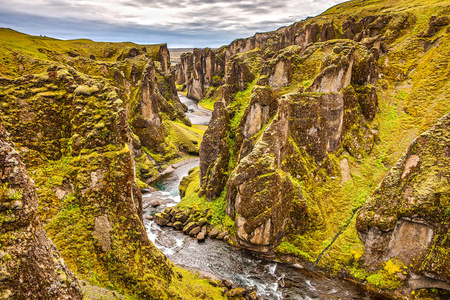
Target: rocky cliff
[[406, 220], [308, 120], [31, 267], [312, 122], [89, 119], [200, 70], [203, 70]]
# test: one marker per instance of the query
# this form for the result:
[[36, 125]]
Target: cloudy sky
[[180, 23]]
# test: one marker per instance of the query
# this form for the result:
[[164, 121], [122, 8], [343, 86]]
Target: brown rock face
[[214, 153], [200, 70], [260, 196], [258, 112], [98, 169], [407, 217], [327, 32], [31, 266], [148, 123], [434, 25], [164, 58]]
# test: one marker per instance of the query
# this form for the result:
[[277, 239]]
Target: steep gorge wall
[[74, 131], [407, 218], [273, 136], [31, 267], [86, 129]]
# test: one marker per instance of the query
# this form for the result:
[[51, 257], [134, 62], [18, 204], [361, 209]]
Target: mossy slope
[[87, 127]]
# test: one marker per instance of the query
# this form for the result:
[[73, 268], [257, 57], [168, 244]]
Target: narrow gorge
[[310, 162]]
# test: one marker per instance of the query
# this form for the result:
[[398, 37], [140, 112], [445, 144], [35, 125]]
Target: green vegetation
[[7, 194], [412, 95], [25, 54], [387, 277], [76, 117], [186, 138], [207, 103], [74, 121], [216, 208]]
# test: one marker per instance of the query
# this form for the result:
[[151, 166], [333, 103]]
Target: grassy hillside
[[19, 51]]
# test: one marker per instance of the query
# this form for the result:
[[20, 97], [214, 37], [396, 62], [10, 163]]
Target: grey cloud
[[202, 22]]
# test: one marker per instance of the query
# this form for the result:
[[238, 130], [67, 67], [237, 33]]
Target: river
[[197, 114], [272, 280]]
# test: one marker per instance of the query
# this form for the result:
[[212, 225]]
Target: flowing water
[[271, 280], [196, 114]]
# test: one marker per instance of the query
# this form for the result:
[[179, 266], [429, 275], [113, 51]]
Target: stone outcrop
[[191, 222], [259, 111], [262, 197], [407, 217], [308, 146], [434, 24], [200, 70], [148, 123], [31, 266], [215, 153]]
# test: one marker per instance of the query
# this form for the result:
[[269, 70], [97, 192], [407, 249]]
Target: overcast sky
[[179, 23]]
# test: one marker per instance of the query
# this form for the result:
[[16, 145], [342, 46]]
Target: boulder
[[195, 231], [154, 203], [221, 235], [202, 234], [178, 225], [237, 292], [190, 226], [226, 283], [213, 233], [182, 217], [160, 219]]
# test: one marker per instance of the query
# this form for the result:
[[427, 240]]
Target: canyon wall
[[307, 121], [90, 126], [32, 267], [204, 69], [407, 217]]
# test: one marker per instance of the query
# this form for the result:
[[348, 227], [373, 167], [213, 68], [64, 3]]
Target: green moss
[[141, 184], [216, 208], [387, 277], [207, 103], [193, 286], [287, 248], [25, 54], [7, 194], [239, 104]]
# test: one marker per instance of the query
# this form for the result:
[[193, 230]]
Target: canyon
[[327, 149]]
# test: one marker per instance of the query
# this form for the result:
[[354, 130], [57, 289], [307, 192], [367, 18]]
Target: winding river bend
[[272, 280]]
